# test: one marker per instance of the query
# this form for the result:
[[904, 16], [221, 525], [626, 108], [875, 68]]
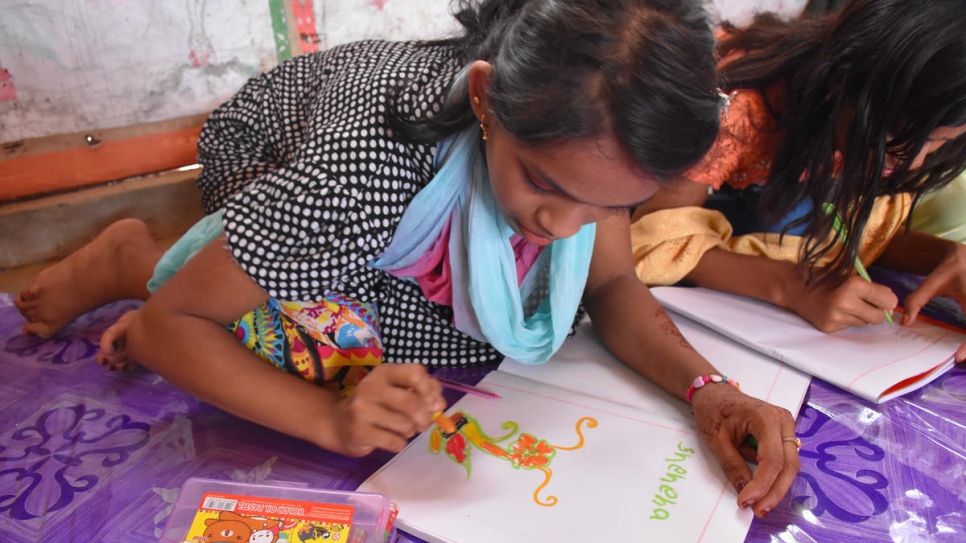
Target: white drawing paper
[[640, 472], [584, 365], [638, 476], [874, 362]]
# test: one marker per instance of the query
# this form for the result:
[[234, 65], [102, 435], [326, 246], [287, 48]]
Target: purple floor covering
[[88, 455]]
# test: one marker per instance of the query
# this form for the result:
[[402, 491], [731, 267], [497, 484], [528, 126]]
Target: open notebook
[[877, 363], [579, 449]]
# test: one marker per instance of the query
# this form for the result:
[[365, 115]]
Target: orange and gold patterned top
[[748, 140], [668, 243]]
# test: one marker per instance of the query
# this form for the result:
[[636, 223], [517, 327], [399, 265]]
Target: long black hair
[[875, 77], [643, 70]]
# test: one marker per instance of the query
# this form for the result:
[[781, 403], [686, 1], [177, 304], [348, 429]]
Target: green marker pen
[[840, 230]]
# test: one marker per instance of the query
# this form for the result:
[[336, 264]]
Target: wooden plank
[[35, 173], [51, 227], [64, 142]]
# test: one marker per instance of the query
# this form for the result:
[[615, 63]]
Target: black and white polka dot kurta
[[313, 184]]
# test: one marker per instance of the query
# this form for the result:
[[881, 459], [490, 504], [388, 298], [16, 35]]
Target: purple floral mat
[[88, 455]]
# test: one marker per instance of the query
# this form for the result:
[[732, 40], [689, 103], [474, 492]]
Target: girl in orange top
[[863, 109]]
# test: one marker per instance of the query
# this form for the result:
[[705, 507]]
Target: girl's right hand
[[856, 302], [388, 407]]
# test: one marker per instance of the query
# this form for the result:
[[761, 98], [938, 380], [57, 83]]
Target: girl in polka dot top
[[430, 203]]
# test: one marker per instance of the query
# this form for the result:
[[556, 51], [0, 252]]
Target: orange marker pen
[[445, 423]]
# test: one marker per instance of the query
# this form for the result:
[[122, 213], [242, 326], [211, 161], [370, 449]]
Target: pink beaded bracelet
[[705, 379]]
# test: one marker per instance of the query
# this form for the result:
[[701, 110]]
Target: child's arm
[[856, 302], [180, 333], [638, 331]]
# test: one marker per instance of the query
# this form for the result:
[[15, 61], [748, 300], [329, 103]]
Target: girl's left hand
[[947, 279], [726, 418]]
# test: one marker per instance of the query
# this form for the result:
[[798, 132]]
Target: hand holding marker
[[469, 389], [843, 236], [444, 422]]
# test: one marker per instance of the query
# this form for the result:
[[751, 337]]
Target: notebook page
[[866, 361], [571, 468]]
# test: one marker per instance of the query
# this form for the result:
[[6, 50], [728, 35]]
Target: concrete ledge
[[50, 228]]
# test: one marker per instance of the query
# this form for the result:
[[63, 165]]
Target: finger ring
[[795, 440]]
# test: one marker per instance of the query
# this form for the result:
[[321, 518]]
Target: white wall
[[75, 65]]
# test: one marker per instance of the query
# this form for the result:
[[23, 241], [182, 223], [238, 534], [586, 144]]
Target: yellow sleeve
[[888, 217], [669, 243]]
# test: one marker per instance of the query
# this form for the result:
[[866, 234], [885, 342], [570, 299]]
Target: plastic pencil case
[[214, 511]]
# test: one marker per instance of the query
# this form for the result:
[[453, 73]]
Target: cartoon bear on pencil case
[[233, 528]]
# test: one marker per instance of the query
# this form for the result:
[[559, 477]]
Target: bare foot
[[113, 354], [116, 265]]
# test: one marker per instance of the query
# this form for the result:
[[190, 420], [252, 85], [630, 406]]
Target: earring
[[483, 125], [476, 99], [724, 101]]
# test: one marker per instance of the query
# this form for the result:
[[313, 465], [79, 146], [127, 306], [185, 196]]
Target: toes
[[113, 353], [28, 295], [22, 304], [119, 348], [32, 306], [115, 361], [113, 340], [107, 359], [38, 329], [28, 312], [26, 302]]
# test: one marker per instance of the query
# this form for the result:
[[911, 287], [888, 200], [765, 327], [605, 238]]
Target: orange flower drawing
[[526, 452], [529, 453]]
